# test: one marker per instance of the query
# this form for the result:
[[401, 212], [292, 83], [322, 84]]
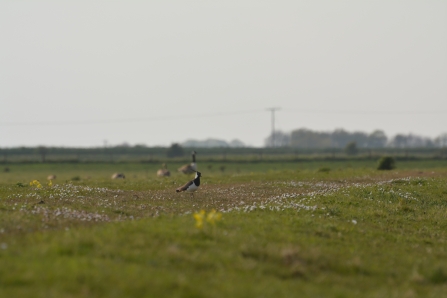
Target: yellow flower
[[213, 216], [199, 218], [50, 183], [35, 183]]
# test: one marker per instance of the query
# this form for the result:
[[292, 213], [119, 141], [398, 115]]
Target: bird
[[51, 177], [192, 185], [189, 168], [163, 172], [118, 176]]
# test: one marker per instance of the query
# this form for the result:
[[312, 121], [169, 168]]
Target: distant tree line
[[212, 143], [340, 138], [178, 153], [296, 144]]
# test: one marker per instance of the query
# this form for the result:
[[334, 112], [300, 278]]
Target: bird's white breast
[[192, 187]]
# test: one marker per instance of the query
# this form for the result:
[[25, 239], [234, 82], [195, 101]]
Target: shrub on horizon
[[386, 163]]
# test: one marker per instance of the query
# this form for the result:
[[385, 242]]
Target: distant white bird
[[51, 177], [192, 185], [118, 176], [163, 172], [189, 168]]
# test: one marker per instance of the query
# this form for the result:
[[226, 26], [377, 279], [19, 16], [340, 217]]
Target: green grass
[[340, 229]]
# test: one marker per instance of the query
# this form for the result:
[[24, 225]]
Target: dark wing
[[184, 187]]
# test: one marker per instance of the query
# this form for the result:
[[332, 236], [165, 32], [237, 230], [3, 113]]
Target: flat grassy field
[[307, 229]]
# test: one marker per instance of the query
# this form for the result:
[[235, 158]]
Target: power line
[[230, 113], [364, 112], [129, 120]]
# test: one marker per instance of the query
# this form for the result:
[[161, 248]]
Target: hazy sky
[[76, 73]]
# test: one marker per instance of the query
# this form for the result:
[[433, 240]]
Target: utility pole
[[273, 110]]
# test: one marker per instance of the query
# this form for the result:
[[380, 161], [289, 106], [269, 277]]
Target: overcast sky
[[77, 73]]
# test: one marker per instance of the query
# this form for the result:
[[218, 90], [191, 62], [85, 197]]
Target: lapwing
[[163, 172], [192, 185], [189, 168]]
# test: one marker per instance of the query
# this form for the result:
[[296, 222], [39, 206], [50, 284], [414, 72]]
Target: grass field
[[308, 229]]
